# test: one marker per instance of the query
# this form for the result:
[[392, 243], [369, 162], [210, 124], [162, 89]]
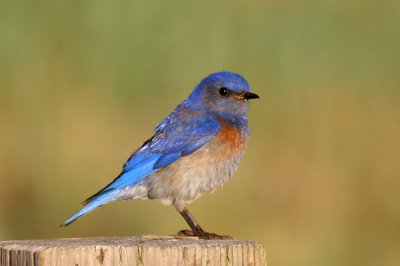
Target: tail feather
[[92, 204]]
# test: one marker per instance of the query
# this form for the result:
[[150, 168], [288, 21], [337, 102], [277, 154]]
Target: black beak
[[249, 95]]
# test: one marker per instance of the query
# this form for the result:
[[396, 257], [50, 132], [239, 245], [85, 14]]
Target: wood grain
[[153, 250]]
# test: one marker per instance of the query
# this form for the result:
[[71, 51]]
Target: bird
[[194, 150]]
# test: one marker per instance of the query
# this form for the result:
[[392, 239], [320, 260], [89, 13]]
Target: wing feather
[[178, 135]]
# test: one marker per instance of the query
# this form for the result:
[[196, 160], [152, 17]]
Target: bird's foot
[[202, 235]]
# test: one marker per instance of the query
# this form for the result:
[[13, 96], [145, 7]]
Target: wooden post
[[131, 251]]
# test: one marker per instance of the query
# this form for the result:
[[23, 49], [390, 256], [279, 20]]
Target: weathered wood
[[131, 251]]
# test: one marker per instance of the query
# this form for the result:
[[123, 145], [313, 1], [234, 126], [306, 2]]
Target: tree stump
[[131, 251]]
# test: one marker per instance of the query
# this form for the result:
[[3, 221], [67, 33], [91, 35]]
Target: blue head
[[224, 94]]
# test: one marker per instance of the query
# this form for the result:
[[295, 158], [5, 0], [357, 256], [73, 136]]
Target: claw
[[202, 235]]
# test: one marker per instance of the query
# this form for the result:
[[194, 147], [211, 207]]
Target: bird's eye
[[223, 91]]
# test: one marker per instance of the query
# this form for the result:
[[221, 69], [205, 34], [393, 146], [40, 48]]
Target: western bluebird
[[194, 150]]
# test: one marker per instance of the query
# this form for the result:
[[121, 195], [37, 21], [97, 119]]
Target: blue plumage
[[211, 122]]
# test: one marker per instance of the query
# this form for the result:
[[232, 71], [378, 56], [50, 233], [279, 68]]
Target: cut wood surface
[[151, 250]]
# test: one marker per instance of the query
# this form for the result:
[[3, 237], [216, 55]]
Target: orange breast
[[231, 139]]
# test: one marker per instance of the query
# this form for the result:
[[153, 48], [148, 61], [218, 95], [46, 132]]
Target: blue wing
[[180, 134], [176, 139]]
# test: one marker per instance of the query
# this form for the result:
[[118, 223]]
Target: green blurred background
[[83, 83]]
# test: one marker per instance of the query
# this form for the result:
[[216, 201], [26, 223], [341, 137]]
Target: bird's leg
[[196, 229]]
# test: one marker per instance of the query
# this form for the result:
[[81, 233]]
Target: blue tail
[[91, 205]]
